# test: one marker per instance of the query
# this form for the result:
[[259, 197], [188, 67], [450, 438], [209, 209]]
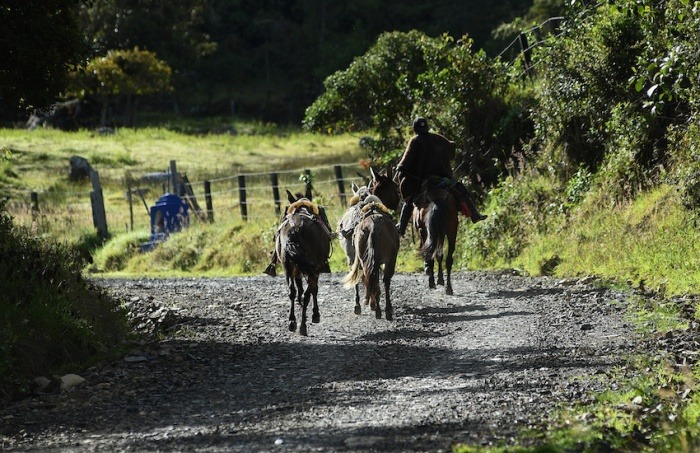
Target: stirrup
[[271, 270]]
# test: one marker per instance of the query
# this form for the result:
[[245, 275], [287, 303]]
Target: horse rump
[[436, 226]]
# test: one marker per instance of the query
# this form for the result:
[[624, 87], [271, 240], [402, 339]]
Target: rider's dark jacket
[[427, 154]]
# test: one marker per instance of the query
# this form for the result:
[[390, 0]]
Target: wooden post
[[308, 187], [207, 200], [274, 178], [341, 185], [35, 205], [524, 47], [130, 196], [242, 197], [174, 180], [99, 218]]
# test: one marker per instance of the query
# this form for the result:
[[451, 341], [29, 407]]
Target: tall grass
[[651, 243]]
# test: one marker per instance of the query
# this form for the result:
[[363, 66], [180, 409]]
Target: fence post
[[525, 48], [34, 196], [242, 197], [207, 200], [174, 183], [99, 218], [274, 178], [307, 181], [341, 185], [130, 196]]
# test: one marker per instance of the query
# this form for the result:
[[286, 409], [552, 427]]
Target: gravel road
[[225, 374]]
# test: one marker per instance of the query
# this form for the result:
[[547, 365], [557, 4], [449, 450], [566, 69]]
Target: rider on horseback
[[428, 154]]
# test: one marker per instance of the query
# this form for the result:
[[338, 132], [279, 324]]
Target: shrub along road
[[225, 374]]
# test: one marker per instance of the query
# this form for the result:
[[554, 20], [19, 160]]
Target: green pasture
[[38, 161]]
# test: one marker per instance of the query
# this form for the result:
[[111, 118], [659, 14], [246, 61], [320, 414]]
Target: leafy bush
[[582, 75], [685, 172], [52, 319], [464, 94]]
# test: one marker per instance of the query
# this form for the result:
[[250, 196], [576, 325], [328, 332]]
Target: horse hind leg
[[376, 296], [292, 298], [388, 273], [440, 276], [429, 267], [358, 307], [299, 282], [313, 287], [302, 327], [448, 267]]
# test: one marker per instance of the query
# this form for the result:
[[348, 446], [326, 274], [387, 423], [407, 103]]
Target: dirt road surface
[[225, 374]]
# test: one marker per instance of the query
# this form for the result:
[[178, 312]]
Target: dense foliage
[[51, 318], [463, 92], [39, 40]]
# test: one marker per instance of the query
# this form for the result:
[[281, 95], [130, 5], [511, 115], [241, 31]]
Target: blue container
[[168, 215]]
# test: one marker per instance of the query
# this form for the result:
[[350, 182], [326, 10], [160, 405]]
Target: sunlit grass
[[651, 243]]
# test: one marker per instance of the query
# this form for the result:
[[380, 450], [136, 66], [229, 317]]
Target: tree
[[171, 29], [39, 41], [128, 73], [462, 92]]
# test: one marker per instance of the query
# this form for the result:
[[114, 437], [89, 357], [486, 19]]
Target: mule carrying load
[[380, 188], [376, 245], [303, 246]]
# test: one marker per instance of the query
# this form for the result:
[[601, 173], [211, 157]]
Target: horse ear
[[290, 197], [364, 178], [355, 189], [309, 195], [373, 173]]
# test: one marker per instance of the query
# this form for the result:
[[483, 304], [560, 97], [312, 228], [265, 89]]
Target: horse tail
[[371, 265], [436, 224], [355, 275]]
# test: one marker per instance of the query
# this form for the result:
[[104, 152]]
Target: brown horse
[[436, 217], [376, 242], [303, 244], [384, 186]]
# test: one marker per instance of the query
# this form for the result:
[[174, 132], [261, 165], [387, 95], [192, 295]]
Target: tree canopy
[[39, 41], [265, 59]]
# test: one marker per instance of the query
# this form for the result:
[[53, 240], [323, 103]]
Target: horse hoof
[[302, 330], [378, 314], [358, 310], [316, 319], [389, 315], [441, 282], [432, 286], [292, 326], [448, 291]]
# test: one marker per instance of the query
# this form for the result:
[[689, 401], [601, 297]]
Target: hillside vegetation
[[586, 156]]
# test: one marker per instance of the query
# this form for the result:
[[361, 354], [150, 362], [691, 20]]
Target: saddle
[[303, 203], [373, 204], [308, 209], [450, 185]]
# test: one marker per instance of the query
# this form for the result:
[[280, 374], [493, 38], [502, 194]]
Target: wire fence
[[243, 196]]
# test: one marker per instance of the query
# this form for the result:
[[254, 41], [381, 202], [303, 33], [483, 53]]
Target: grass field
[[38, 161]]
